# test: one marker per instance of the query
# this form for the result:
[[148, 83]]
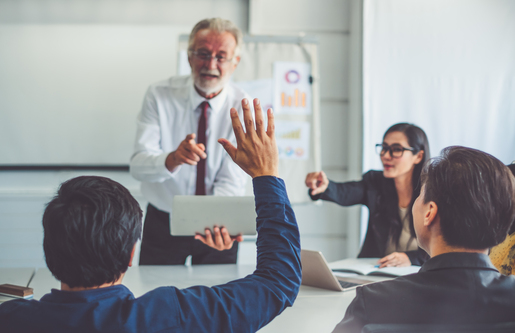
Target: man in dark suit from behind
[[466, 205]]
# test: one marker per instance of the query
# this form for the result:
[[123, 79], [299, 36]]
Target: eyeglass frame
[[389, 149], [208, 57]]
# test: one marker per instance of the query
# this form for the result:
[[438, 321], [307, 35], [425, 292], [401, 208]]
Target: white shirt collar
[[215, 103]]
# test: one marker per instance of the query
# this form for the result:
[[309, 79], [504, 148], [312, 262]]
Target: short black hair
[[475, 195], [512, 168], [90, 228]]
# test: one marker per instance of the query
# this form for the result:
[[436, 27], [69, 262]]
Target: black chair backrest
[[440, 328]]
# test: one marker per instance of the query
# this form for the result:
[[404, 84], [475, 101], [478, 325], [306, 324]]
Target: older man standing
[[176, 152]]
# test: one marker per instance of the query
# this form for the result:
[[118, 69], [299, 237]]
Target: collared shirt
[[170, 111], [451, 288], [243, 305]]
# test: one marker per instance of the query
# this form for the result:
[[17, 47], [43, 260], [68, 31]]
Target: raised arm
[[148, 161], [245, 305]]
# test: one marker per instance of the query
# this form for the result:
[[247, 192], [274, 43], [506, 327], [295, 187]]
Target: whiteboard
[[69, 94]]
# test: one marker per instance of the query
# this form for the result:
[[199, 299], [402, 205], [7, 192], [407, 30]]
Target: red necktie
[[201, 165]]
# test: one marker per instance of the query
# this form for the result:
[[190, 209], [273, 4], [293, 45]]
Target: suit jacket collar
[[458, 260]]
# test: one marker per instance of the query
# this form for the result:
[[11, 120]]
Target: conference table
[[315, 310]]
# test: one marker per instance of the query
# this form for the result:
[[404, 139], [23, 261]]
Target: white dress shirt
[[170, 111]]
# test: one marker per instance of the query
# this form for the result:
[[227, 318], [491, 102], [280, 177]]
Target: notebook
[[316, 273], [194, 213], [369, 266]]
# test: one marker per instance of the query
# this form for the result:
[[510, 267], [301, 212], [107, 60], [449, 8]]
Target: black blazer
[[373, 190], [451, 288]]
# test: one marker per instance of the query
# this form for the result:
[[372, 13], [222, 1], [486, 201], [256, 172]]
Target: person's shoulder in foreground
[[90, 231], [466, 205]]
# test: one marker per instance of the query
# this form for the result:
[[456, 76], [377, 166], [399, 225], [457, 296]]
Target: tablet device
[[194, 213]]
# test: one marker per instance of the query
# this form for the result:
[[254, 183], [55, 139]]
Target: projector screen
[[69, 94]]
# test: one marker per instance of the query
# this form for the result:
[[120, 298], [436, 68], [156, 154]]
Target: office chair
[[440, 328]]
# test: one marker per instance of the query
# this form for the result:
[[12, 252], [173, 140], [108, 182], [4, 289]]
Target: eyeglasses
[[396, 150], [205, 56]]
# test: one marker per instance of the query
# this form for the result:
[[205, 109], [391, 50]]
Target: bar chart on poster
[[282, 71]]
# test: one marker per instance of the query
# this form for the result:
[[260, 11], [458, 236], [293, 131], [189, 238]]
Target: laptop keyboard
[[346, 284]]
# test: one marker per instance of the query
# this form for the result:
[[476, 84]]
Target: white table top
[[315, 310]]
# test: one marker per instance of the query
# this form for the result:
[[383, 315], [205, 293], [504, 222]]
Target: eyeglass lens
[[206, 56], [395, 150]]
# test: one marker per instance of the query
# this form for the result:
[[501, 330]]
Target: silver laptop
[[194, 213], [316, 273]]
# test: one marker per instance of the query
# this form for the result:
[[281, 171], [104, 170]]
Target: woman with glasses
[[388, 194]]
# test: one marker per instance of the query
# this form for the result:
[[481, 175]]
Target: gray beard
[[212, 89]]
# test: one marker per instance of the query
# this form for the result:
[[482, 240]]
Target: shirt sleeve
[[230, 178], [355, 316], [247, 304], [148, 160]]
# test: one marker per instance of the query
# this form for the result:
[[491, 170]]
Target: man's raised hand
[[188, 152], [256, 151]]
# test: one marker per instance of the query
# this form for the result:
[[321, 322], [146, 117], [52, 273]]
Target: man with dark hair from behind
[[466, 205], [91, 228]]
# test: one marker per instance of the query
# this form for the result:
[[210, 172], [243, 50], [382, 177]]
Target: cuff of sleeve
[[270, 189], [161, 162], [323, 195]]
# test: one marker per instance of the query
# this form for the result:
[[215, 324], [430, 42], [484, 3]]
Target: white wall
[[329, 228], [73, 73], [445, 65]]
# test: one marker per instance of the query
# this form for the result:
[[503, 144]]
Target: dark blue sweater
[[243, 305]]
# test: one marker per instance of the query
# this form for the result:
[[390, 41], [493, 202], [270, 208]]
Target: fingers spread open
[[236, 125], [229, 148], [271, 124], [247, 118], [260, 122]]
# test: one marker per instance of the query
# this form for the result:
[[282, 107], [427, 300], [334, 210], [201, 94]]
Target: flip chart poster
[[292, 139], [292, 88], [261, 89]]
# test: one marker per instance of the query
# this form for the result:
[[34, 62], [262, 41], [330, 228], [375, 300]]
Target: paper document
[[369, 266]]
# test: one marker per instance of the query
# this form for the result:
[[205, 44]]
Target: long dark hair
[[417, 139]]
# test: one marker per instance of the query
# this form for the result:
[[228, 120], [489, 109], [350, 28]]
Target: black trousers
[[159, 247]]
